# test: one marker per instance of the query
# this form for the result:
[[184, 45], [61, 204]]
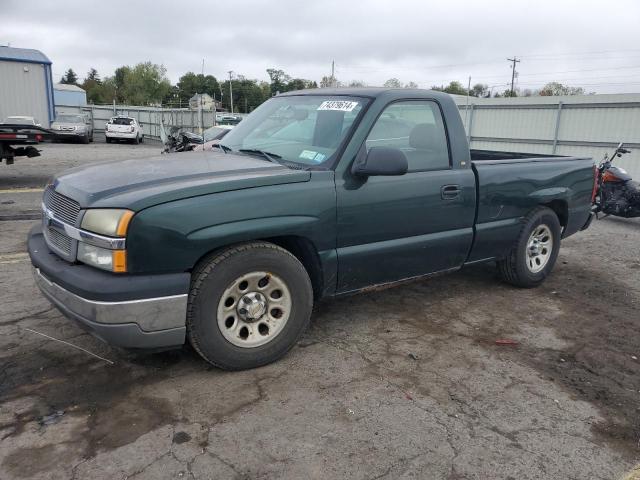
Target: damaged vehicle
[[316, 194], [19, 139], [181, 140]]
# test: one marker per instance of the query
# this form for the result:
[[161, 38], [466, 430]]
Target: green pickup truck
[[316, 194]]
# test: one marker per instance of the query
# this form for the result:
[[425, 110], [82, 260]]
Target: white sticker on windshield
[[338, 105], [313, 156]]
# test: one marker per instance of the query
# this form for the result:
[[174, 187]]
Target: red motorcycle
[[616, 193]]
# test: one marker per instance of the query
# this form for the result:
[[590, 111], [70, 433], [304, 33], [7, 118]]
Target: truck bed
[[494, 155], [511, 184]]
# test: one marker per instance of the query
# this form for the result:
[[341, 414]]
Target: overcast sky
[[594, 44]]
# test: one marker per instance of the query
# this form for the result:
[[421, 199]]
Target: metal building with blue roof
[[26, 85]]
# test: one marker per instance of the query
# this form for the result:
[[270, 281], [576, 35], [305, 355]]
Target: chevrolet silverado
[[316, 194]]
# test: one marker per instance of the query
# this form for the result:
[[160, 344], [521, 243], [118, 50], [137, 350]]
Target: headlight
[[110, 260], [107, 221]]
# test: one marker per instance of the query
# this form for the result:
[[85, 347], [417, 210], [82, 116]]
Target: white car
[[123, 128], [22, 120]]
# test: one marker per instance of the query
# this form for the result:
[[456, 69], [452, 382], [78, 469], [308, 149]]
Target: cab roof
[[370, 92]]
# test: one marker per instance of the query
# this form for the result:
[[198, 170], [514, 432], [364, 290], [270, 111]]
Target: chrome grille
[[59, 240], [63, 208]]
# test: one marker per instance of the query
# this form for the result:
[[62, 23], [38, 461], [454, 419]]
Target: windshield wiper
[[224, 148], [269, 156]]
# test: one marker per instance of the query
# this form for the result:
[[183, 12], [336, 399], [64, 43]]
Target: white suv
[[123, 128]]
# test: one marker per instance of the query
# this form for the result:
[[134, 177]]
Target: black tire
[[91, 137], [85, 139], [136, 140], [108, 139], [213, 276], [142, 139], [514, 268]]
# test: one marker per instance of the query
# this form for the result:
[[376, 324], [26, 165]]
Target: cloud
[[426, 42]]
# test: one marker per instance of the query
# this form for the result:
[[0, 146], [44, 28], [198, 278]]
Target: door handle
[[447, 192]]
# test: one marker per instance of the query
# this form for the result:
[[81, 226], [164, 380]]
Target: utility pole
[[231, 90], [514, 60]]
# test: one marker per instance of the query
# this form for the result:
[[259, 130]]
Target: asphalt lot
[[403, 383]]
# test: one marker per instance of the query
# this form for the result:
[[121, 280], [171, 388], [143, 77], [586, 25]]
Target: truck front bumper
[[128, 311]]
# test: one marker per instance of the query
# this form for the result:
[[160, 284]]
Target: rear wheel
[[248, 305], [535, 251], [136, 140]]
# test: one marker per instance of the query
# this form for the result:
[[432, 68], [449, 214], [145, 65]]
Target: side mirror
[[380, 161]]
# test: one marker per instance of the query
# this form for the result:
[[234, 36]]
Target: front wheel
[[535, 251], [248, 305]]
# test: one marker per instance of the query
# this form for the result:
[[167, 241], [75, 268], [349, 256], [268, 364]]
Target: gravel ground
[[402, 383]]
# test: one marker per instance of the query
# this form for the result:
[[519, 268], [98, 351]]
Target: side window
[[416, 128]]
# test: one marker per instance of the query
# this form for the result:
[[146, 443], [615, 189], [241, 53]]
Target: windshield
[[19, 120], [69, 119], [121, 121], [305, 129]]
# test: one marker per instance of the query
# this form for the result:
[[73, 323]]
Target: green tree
[[300, 84], [479, 90], [330, 82], [190, 83], [93, 75], [454, 88], [392, 83], [356, 84], [144, 84], [278, 80], [247, 94], [92, 84], [554, 89], [411, 85], [69, 78]]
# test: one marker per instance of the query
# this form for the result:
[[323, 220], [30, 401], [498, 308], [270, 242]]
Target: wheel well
[[300, 247], [561, 209], [305, 251]]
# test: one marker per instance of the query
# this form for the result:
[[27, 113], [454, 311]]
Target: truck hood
[[141, 183]]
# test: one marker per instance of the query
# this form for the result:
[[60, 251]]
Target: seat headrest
[[423, 136]]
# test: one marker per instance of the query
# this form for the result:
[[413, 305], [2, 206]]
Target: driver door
[[392, 228]]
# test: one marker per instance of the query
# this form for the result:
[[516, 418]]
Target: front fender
[[173, 236]]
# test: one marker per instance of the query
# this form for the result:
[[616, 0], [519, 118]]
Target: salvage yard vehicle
[[123, 128], [315, 194], [617, 194], [73, 127], [18, 140], [21, 120], [180, 140]]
